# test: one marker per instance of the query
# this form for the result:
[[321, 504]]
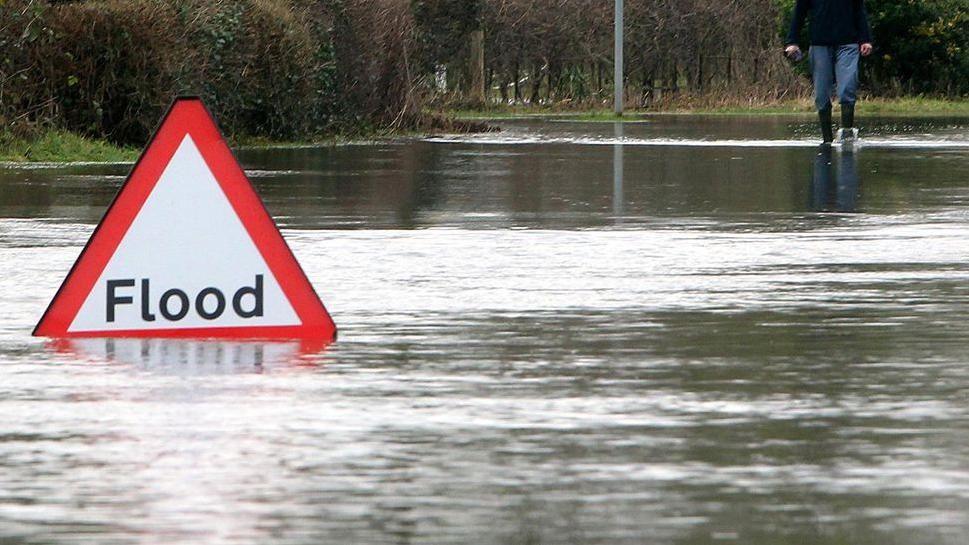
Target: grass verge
[[903, 107], [60, 147]]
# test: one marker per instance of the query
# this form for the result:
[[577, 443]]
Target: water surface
[[689, 330]]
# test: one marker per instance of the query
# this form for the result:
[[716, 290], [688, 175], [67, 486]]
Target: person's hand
[[866, 49], [792, 50]]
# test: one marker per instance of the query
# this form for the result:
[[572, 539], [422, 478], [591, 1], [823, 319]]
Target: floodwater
[[683, 330]]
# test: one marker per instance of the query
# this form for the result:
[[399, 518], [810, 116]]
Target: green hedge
[[279, 69]]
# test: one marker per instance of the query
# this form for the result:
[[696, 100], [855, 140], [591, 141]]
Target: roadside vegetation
[[275, 69], [57, 146], [92, 77], [678, 53], [896, 107]]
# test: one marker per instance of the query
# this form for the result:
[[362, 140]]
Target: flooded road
[[684, 331]]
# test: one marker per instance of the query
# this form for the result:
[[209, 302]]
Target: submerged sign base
[[187, 250], [193, 356]]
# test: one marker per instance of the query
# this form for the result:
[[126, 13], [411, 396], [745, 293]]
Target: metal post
[[619, 80], [617, 173]]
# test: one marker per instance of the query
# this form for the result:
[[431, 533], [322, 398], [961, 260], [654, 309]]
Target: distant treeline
[[729, 50], [289, 69], [562, 50]]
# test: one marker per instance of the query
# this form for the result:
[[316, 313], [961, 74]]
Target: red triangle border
[[189, 116]]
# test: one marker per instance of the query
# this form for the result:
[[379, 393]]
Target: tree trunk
[[536, 85], [518, 90], [476, 93]]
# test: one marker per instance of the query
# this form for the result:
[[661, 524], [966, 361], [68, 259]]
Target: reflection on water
[[555, 343], [617, 172], [835, 188], [191, 356], [465, 184]]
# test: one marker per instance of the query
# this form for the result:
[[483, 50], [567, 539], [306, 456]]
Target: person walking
[[839, 32]]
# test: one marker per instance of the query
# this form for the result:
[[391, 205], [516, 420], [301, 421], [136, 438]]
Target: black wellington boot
[[847, 116], [827, 133]]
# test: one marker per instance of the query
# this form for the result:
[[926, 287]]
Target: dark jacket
[[833, 22]]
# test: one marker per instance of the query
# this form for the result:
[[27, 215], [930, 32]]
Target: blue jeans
[[834, 63]]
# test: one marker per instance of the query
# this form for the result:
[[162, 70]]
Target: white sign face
[[186, 262]]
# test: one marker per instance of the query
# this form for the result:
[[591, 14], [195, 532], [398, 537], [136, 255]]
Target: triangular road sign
[[187, 249]]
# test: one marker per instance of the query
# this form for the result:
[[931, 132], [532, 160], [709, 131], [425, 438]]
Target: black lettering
[[146, 314], [183, 309], [113, 299], [219, 303], [256, 293]]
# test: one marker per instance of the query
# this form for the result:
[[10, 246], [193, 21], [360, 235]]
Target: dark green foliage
[[442, 34], [257, 66], [110, 67], [23, 93], [443, 26], [921, 46]]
